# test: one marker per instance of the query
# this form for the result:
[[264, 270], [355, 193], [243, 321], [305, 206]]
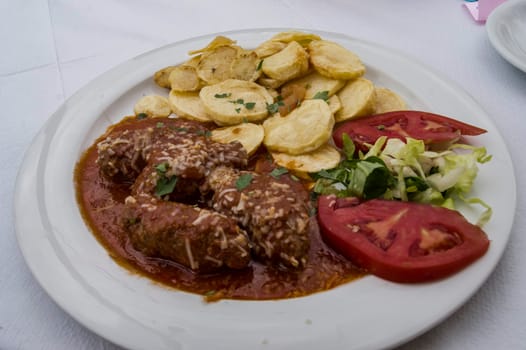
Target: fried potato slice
[[316, 83], [325, 157], [301, 38], [161, 77], [215, 66], [235, 101], [153, 106], [193, 61], [269, 47], [250, 135], [184, 78], [305, 129], [218, 41], [246, 66], [357, 98], [387, 101], [269, 83], [334, 104], [335, 61], [188, 105], [289, 63]]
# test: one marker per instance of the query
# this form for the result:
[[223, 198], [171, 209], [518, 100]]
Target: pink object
[[481, 9]]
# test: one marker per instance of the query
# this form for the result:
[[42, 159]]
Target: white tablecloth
[[52, 48]]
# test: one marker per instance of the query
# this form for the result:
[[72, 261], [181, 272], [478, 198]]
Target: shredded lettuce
[[407, 171]]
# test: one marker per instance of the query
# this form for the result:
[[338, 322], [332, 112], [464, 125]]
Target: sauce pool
[[101, 203]]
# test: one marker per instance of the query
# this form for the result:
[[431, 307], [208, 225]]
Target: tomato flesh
[[400, 241], [429, 127]]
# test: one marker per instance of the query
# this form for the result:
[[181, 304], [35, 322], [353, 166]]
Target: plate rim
[[56, 117]]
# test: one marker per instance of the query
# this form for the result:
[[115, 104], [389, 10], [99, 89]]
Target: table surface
[[54, 47]]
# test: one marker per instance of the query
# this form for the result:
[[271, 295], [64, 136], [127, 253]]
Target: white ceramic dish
[[133, 312], [506, 27]]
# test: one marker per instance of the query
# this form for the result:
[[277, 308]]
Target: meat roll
[[275, 217], [199, 239]]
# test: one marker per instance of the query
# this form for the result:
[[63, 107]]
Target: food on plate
[[269, 48], [188, 105], [269, 83], [334, 104], [150, 156], [184, 78], [276, 218], [287, 64], [314, 83], [153, 106], [161, 77], [250, 135], [235, 101], [218, 41], [334, 61], [325, 157], [357, 98], [406, 170], [214, 189], [301, 38], [432, 128], [305, 129], [245, 66], [401, 241], [200, 239], [137, 195], [290, 97], [386, 100], [215, 65]]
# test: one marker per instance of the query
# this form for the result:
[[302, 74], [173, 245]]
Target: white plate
[[133, 312], [506, 27]]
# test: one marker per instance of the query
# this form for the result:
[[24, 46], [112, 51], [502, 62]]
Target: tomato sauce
[[101, 203]]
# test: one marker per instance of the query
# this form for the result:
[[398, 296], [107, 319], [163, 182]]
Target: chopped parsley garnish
[[224, 95], [243, 181], [178, 129], [161, 168], [131, 221], [205, 133], [274, 107], [160, 124], [277, 172], [380, 127], [321, 95], [240, 101], [142, 116], [260, 64], [165, 185]]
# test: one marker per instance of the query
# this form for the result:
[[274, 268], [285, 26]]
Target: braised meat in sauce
[[276, 217], [170, 203], [200, 239]]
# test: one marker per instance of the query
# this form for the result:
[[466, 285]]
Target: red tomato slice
[[400, 241], [431, 128]]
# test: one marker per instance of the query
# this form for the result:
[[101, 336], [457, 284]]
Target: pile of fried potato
[[286, 94]]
